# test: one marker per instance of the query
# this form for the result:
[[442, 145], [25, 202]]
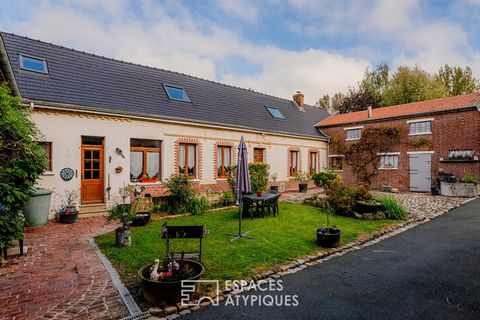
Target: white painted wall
[[64, 130]]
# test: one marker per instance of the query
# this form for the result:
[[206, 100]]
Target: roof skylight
[[277, 114], [176, 93], [33, 64]]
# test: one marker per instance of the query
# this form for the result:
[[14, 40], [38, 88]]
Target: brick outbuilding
[[441, 134]]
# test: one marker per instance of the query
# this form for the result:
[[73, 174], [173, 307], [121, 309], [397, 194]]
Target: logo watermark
[[266, 293]]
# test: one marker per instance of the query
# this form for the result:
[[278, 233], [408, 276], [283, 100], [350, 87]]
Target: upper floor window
[[354, 133], [187, 159], [258, 155], [293, 163], [33, 64], [176, 93], [144, 159], [47, 147], [223, 160], [420, 127], [277, 114]]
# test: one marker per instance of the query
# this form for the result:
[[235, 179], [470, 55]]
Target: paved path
[[429, 272], [61, 277]]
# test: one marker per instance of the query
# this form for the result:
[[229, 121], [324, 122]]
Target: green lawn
[[287, 236]]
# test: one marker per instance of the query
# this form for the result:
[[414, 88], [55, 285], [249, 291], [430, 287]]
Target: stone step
[[92, 208], [92, 214]]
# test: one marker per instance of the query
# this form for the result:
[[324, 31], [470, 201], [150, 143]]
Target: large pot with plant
[[364, 200], [68, 213], [125, 213], [302, 179], [274, 185], [162, 279], [328, 237], [258, 177]]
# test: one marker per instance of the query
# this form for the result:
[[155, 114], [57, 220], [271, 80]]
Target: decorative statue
[[154, 275]]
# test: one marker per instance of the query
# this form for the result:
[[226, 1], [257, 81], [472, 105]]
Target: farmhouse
[[441, 134], [108, 123]]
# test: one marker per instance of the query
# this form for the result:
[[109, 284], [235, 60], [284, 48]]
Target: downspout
[[7, 67]]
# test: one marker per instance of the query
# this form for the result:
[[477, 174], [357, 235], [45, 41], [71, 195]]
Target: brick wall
[[455, 130]]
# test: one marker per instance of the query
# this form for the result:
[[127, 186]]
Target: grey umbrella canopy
[[242, 186]]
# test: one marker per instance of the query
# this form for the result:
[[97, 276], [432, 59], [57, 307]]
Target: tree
[[365, 154], [357, 100], [457, 81], [330, 104], [22, 160], [411, 85], [377, 81]]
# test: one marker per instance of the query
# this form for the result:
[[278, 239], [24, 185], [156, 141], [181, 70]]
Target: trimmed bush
[[258, 176], [323, 179], [339, 198], [392, 209], [181, 194]]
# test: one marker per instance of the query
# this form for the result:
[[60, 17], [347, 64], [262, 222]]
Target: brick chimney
[[298, 98]]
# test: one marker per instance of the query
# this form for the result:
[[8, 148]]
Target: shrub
[[323, 179], [339, 198], [231, 176], [392, 209], [469, 178], [258, 176], [227, 198], [198, 205], [361, 192], [22, 160], [123, 212], [181, 194]]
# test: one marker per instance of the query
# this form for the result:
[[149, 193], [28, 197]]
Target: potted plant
[[125, 213], [146, 178], [68, 213], [302, 179], [258, 177], [328, 237], [274, 186], [364, 201], [162, 279]]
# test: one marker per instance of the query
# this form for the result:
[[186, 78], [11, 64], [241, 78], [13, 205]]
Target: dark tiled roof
[[87, 80]]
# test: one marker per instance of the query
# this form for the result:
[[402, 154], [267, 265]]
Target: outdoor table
[[260, 200]]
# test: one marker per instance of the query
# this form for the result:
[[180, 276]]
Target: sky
[[271, 46]]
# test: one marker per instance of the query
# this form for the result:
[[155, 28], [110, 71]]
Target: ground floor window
[[224, 155], [336, 163], [145, 159], [313, 163], [187, 160], [389, 162], [258, 155], [293, 163], [47, 147]]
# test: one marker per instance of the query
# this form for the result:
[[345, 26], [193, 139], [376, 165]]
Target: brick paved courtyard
[[61, 277]]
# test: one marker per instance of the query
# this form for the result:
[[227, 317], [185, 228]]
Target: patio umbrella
[[242, 186]]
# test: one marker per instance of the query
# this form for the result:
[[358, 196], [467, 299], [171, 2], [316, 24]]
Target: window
[[420, 127], [293, 163], [176, 93], [223, 160], [187, 160], [336, 163], [47, 147], [313, 162], [258, 155], [33, 64], [354, 134], [389, 162], [277, 114], [144, 159]]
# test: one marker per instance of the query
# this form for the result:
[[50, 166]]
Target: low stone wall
[[458, 189]]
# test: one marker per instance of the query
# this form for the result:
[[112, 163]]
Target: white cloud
[[245, 9], [189, 46]]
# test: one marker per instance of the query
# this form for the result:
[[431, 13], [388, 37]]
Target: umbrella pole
[[240, 234]]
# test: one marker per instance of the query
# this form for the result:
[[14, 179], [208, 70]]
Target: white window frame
[[353, 128], [389, 154], [410, 122]]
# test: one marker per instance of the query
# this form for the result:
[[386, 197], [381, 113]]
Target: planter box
[[458, 189]]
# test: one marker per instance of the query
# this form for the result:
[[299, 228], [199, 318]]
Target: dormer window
[[33, 64], [277, 114], [176, 93]]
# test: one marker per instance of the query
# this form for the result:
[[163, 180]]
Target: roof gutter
[[7, 67], [148, 117], [466, 108]]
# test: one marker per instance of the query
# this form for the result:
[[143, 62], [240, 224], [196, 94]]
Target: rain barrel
[[38, 207]]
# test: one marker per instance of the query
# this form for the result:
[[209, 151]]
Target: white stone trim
[[420, 152], [335, 155], [388, 154], [353, 128], [420, 133], [420, 120]]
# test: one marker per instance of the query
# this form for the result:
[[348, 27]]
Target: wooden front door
[[92, 174]]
